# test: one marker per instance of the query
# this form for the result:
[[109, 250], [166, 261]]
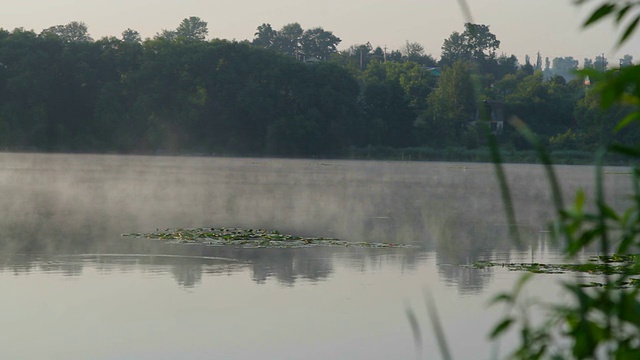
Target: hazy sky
[[552, 27]]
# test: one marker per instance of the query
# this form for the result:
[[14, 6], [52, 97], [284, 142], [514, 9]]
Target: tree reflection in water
[[187, 264]]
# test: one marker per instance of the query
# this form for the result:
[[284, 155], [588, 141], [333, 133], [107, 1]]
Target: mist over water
[[81, 204], [71, 203], [63, 216]]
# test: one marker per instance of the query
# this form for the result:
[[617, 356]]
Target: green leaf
[[608, 212], [521, 282], [580, 199], [625, 150], [501, 327], [622, 12], [629, 31], [626, 121], [601, 12], [502, 298]]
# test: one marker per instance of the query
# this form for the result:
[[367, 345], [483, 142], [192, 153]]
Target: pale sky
[[552, 27]]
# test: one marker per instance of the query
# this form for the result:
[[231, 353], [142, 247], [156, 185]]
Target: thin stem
[[504, 189]]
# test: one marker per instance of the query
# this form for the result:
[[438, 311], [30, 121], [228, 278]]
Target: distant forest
[[288, 92]]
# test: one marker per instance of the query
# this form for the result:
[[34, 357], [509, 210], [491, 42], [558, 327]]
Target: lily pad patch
[[251, 238], [596, 265]]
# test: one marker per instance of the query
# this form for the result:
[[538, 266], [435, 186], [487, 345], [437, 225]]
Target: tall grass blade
[[601, 12], [630, 29], [544, 157], [437, 327], [602, 206], [415, 329], [466, 12], [504, 189]]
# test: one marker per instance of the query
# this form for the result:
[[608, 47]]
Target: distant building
[[435, 71]]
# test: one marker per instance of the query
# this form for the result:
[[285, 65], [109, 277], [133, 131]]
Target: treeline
[[289, 92], [178, 94]]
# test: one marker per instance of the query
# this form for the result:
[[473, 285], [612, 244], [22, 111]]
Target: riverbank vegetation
[[292, 93]]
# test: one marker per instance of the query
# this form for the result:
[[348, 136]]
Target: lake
[[74, 288]]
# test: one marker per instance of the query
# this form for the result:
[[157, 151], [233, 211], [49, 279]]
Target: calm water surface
[[73, 288]]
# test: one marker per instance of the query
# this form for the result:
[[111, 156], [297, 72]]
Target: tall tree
[[476, 43], [587, 64], [600, 63], [394, 55], [627, 60], [451, 106], [565, 67], [546, 106], [413, 51], [502, 65], [527, 68], [288, 40], [131, 36], [454, 49], [192, 28], [265, 36], [166, 35], [318, 43], [72, 32]]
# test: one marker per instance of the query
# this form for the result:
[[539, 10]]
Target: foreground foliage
[[602, 320]]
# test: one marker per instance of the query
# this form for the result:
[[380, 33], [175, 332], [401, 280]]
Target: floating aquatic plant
[[597, 265], [251, 238]]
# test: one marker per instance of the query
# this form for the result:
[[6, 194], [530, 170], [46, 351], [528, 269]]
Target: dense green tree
[[131, 36], [322, 109], [455, 49], [600, 63], [394, 55], [451, 107], [538, 65], [527, 68], [27, 88], [288, 40], [318, 43], [394, 93], [265, 36], [595, 125], [414, 52], [587, 64], [565, 67], [476, 43], [500, 66], [292, 40], [72, 32], [546, 106], [362, 53], [166, 34], [192, 28], [627, 60], [62, 91]]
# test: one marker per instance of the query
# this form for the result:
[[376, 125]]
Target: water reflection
[[187, 264]]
